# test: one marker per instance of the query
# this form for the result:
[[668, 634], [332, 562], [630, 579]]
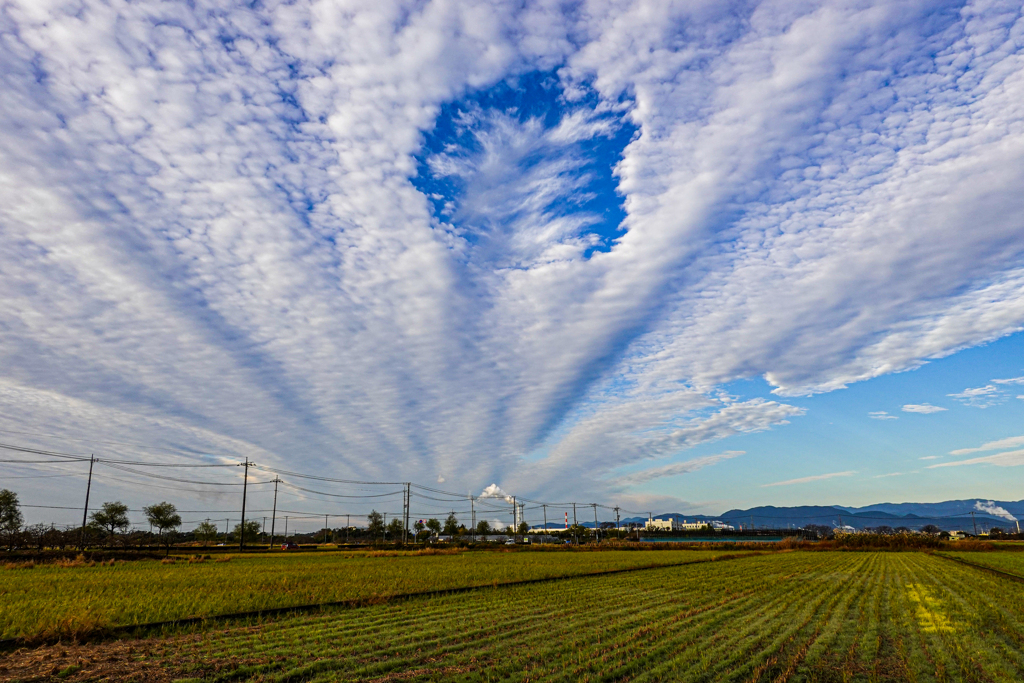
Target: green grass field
[[799, 616], [48, 600], [1009, 562]]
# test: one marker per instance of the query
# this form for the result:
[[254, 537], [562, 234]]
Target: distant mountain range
[[948, 515]]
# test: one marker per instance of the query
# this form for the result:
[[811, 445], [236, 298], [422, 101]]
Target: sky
[[670, 256]]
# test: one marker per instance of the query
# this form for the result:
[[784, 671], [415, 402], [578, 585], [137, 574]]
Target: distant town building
[[673, 524], [670, 524]]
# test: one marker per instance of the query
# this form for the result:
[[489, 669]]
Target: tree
[[434, 525], [483, 528], [111, 518], [375, 526], [395, 528], [206, 531], [931, 529], [451, 525], [524, 528], [580, 533], [37, 535], [164, 516], [420, 527], [11, 518], [252, 531]]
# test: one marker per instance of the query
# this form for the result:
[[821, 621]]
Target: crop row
[[796, 616], [51, 600]]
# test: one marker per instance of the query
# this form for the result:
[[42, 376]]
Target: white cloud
[[1007, 459], [677, 468], [882, 415], [1009, 442], [210, 239], [923, 408], [1011, 380], [807, 480], [980, 397]]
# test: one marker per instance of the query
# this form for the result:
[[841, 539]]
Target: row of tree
[[395, 529], [109, 524]]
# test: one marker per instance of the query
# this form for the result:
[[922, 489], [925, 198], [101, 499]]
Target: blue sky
[[669, 255]]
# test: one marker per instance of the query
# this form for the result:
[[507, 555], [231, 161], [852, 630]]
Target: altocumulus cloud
[[922, 408], [216, 236]]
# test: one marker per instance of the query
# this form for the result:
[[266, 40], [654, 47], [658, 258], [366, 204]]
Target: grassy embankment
[[48, 600]]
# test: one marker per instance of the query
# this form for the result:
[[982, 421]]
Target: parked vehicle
[[289, 545]]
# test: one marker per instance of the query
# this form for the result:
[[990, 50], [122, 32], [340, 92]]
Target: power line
[[496, 504]]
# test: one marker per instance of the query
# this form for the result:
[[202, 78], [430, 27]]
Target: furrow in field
[[753, 650], [504, 634], [539, 653]]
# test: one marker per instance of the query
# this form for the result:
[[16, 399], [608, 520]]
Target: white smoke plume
[[991, 508], [494, 491]]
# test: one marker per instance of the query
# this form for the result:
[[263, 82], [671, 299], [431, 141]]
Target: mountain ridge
[[947, 515]]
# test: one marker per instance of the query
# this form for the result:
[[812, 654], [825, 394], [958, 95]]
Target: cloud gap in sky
[[520, 173]]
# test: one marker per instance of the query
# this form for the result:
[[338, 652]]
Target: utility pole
[[263, 529], [408, 505], [226, 530], [286, 528], [545, 518], [597, 525], [617, 535], [575, 526], [472, 516], [975, 523], [515, 526], [85, 512], [273, 518], [325, 529], [348, 523], [245, 487]]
